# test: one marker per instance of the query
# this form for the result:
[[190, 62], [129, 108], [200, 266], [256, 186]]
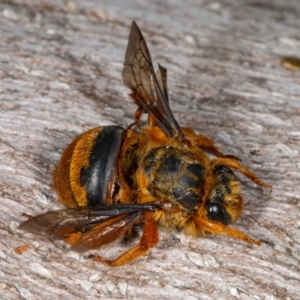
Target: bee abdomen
[[86, 168]]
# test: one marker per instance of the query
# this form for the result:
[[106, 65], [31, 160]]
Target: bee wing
[[149, 90], [106, 232], [161, 75], [105, 223]]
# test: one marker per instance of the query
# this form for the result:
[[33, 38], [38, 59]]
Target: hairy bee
[[111, 178]]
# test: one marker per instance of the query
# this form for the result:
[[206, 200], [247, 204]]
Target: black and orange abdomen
[[87, 165]]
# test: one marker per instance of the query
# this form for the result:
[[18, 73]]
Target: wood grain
[[60, 68]]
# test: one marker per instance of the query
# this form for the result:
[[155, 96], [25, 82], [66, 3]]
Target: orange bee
[[112, 178]]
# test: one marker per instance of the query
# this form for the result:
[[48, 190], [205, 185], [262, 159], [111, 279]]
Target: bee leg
[[148, 240], [208, 145], [203, 142], [215, 227], [235, 164], [137, 116]]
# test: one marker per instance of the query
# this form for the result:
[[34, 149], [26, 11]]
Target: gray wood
[[60, 68]]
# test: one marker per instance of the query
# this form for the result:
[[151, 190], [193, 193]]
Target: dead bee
[[111, 178]]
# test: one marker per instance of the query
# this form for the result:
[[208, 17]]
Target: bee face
[[224, 203], [112, 178]]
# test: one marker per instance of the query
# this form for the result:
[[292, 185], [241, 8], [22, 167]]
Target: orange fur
[[161, 167], [66, 177]]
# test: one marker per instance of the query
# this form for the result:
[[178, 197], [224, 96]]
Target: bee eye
[[217, 212]]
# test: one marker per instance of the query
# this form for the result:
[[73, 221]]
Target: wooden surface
[[60, 68]]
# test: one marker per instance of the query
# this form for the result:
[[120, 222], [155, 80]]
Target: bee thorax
[[174, 174]]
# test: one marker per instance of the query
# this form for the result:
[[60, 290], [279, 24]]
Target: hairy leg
[[148, 240], [235, 164], [215, 227]]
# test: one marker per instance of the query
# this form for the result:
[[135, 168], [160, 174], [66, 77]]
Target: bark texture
[[60, 70]]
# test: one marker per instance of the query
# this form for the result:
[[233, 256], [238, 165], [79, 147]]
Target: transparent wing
[[161, 75], [149, 89]]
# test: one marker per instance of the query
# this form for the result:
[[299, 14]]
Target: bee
[[111, 178]]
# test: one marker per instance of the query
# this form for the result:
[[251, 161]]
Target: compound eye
[[217, 212]]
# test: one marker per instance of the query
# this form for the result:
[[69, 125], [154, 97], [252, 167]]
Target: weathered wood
[[60, 67]]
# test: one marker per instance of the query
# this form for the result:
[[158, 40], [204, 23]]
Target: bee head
[[225, 202]]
